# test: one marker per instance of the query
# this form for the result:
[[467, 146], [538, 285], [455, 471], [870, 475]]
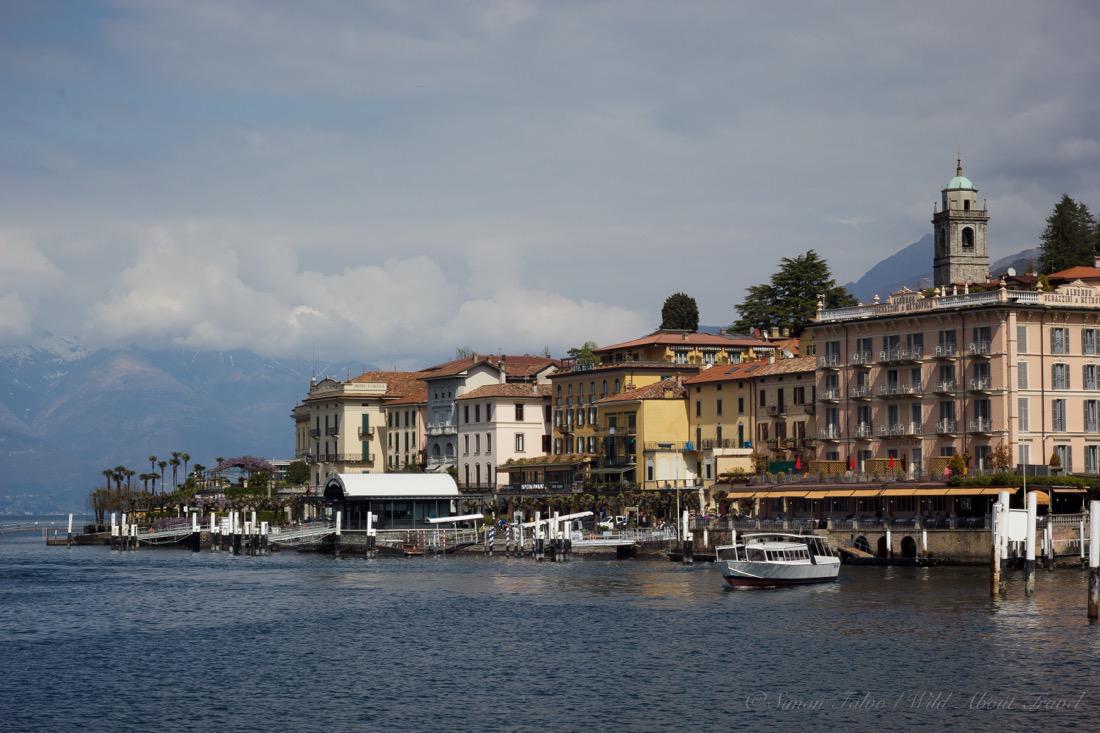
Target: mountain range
[[67, 413], [911, 267]]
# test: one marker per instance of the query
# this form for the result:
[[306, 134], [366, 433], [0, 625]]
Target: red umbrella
[[798, 463], [890, 465], [852, 463]]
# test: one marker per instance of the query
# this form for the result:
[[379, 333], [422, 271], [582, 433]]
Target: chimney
[[775, 332], [786, 332]]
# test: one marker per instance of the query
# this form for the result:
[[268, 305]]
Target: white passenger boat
[[773, 560]]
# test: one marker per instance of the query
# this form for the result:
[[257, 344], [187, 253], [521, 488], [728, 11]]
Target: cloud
[[204, 287], [15, 319]]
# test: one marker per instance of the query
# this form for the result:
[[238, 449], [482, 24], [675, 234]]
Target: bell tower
[[959, 227]]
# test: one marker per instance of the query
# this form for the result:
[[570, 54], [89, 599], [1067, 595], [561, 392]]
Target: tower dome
[[959, 182]]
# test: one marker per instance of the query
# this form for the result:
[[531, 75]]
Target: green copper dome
[[959, 182]]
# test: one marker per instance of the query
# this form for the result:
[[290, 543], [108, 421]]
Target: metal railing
[[978, 348], [980, 384], [860, 392], [980, 425], [365, 432], [947, 426], [830, 394]]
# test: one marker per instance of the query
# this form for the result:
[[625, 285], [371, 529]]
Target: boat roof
[[774, 545]]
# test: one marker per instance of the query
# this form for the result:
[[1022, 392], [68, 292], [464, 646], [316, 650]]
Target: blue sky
[[385, 181]]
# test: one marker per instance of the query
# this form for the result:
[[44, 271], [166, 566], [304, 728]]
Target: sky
[[386, 181]]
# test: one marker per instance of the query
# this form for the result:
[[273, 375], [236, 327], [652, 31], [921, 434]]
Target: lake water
[[170, 640]]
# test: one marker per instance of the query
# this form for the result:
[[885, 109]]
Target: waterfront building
[[762, 407], [347, 421], [303, 443], [397, 500], [449, 381], [407, 430], [905, 384], [498, 423]]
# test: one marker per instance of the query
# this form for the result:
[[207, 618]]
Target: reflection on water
[[304, 642]]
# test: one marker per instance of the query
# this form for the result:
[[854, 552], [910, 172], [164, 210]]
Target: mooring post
[[1004, 498], [196, 537], [213, 527], [555, 538], [370, 534], [995, 549], [1081, 540], [134, 535], [69, 542], [236, 530], [263, 537], [889, 539], [1094, 560], [1050, 543], [1029, 558], [686, 543], [336, 537], [536, 537], [490, 538]]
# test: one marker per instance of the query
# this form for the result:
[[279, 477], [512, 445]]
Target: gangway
[[308, 534]]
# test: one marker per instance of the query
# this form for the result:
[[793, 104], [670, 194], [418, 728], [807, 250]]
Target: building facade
[[449, 381], [407, 430], [499, 423]]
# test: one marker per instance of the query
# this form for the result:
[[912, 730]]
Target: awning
[[1067, 490], [780, 495], [617, 469], [898, 492], [859, 493], [1041, 497], [740, 495]]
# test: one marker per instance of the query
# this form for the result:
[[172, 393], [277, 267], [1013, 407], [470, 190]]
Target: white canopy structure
[[344, 486]]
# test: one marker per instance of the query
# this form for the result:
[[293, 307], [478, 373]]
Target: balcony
[[443, 428], [900, 355], [831, 433], [366, 433], [830, 394], [860, 392], [333, 430], [862, 359], [828, 361], [901, 389], [315, 432], [979, 349], [864, 431], [777, 410], [809, 442], [809, 408], [982, 425], [341, 458], [947, 386], [981, 384], [947, 427], [913, 428], [711, 444], [670, 446], [946, 351]]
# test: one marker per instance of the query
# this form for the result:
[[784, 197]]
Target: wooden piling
[[995, 550], [1094, 560], [1029, 559]]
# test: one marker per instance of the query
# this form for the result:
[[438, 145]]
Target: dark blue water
[[170, 640]]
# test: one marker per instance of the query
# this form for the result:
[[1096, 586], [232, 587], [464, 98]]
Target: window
[[1058, 415], [466, 413], [477, 413], [718, 405], [981, 455], [1060, 376], [1059, 340], [1021, 375], [968, 237], [488, 442], [763, 399], [966, 207], [740, 405], [1065, 458], [1092, 459], [800, 394], [465, 445], [1025, 453], [488, 412], [616, 386], [718, 434], [603, 389], [519, 443], [519, 413], [698, 408], [1092, 425], [580, 445], [1021, 339], [1088, 341], [1090, 376], [1024, 410]]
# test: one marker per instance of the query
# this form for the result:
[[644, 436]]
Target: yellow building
[[720, 419]]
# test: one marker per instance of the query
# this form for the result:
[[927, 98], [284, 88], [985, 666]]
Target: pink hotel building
[[921, 377]]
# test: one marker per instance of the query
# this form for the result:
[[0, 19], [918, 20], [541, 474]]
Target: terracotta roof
[[417, 395], [663, 366], [683, 338], [666, 389], [399, 384], [1079, 272], [752, 369], [511, 390], [797, 365], [512, 365], [725, 373]]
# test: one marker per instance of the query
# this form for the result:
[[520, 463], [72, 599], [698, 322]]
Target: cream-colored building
[[346, 422], [498, 423], [407, 430], [921, 377]]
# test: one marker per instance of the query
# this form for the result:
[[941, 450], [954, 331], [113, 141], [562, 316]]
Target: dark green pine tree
[[790, 299], [1070, 237], [680, 311]]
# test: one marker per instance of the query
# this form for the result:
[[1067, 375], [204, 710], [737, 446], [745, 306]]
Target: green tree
[[297, 473], [175, 463], [680, 311], [186, 458], [1070, 237], [163, 465], [585, 354], [790, 299]]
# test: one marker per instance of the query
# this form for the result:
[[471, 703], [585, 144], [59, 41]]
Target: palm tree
[[152, 464], [163, 465], [109, 474], [185, 457], [175, 463]]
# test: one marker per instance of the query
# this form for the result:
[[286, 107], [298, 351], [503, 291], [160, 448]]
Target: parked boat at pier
[[772, 560]]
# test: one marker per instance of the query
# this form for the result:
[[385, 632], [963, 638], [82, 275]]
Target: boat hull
[[774, 575]]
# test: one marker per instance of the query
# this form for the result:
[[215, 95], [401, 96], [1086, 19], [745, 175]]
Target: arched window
[[603, 391], [477, 473], [616, 386], [450, 449], [435, 450], [968, 238]]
